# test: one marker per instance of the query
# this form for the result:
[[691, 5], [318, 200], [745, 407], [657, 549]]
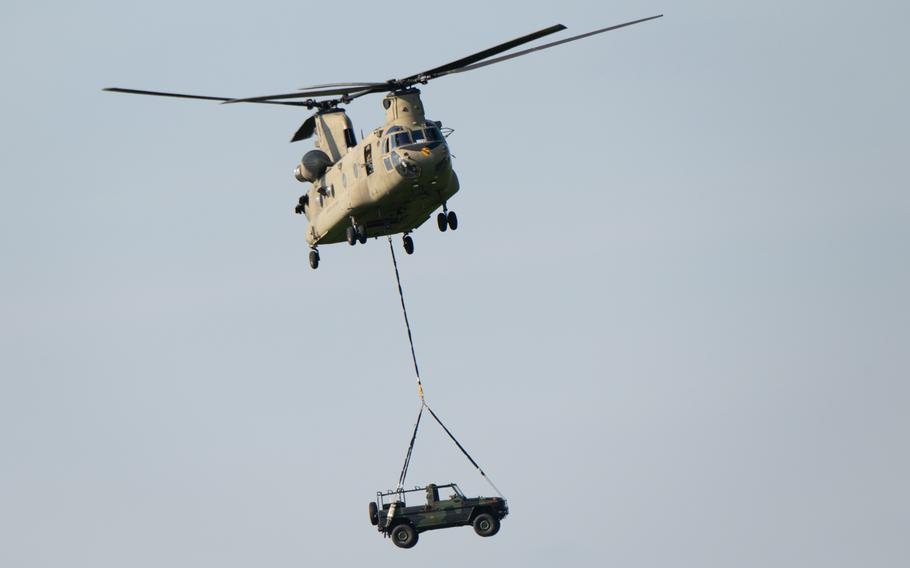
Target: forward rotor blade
[[306, 129], [548, 45], [185, 96], [464, 61], [346, 90], [376, 89]]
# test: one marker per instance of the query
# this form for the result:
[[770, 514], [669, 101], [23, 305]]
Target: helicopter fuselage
[[390, 182]]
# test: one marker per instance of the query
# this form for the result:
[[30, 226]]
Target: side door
[[457, 512]]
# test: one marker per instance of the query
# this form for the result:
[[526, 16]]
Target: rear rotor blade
[[548, 45], [319, 92], [185, 96], [161, 94], [464, 61], [306, 129]]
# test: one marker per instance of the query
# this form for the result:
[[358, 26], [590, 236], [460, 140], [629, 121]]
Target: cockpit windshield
[[398, 136], [401, 138]]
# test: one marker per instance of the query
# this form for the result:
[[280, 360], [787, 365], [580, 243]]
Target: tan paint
[[385, 202]]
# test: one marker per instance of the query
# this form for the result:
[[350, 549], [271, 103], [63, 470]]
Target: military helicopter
[[397, 175]]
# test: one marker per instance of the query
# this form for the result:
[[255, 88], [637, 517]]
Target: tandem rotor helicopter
[[400, 173]]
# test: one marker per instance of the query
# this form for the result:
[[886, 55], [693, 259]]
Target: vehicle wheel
[[374, 514], [486, 524], [442, 222], [404, 536], [408, 244], [314, 259], [453, 220], [351, 236], [362, 234]]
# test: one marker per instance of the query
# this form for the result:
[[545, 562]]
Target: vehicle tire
[[453, 220], [314, 259], [486, 524], [404, 536], [408, 244], [362, 234], [374, 514], [351, 236], [442, 222]]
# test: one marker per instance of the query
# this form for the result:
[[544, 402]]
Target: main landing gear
[[446, 220], [355, 234], [314, 259]]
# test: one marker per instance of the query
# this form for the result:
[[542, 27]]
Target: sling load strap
[[464, 451], [407, 324], [407, 458], [423, 402]]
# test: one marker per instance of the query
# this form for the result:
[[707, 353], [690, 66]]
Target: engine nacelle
[[313, 166]]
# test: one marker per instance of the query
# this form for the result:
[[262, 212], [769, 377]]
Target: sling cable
[[423, 401]]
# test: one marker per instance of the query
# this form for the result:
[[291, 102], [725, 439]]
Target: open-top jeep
[[391, 515]]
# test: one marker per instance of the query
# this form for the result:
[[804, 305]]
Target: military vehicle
[[392, 180], [391, 515]]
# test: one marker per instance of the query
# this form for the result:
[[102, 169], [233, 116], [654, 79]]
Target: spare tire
[[374, 514]]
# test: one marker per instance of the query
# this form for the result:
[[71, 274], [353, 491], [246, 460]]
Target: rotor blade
[[376, 89], [464, 61], [184, 96], [307, 93], [326, 85], [548, 45], [160, 94], [306, 129]]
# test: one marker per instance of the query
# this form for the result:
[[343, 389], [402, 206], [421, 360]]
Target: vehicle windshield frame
[[401, 495]]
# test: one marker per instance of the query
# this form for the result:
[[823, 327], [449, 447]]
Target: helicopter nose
[[429, 156]]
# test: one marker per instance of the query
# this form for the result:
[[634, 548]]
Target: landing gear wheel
[[486, 524], [442, 222], [452, 220], [362, 234], [404, 536], [351, 236], [408, 244], [314, 259], [374, 514]]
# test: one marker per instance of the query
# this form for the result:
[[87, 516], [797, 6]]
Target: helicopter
[[398, 174]]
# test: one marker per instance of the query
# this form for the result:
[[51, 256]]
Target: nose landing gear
[[314, 259]]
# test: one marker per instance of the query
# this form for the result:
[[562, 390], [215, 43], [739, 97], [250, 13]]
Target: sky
[[673, 324]]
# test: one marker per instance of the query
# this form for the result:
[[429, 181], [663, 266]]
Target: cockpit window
[[418, 135], [394, 129], [385, 146], [400, 139]]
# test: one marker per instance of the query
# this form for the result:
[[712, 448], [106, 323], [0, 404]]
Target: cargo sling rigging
[[423, 402]]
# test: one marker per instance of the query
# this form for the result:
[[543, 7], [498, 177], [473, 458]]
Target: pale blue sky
[[700, 360]]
